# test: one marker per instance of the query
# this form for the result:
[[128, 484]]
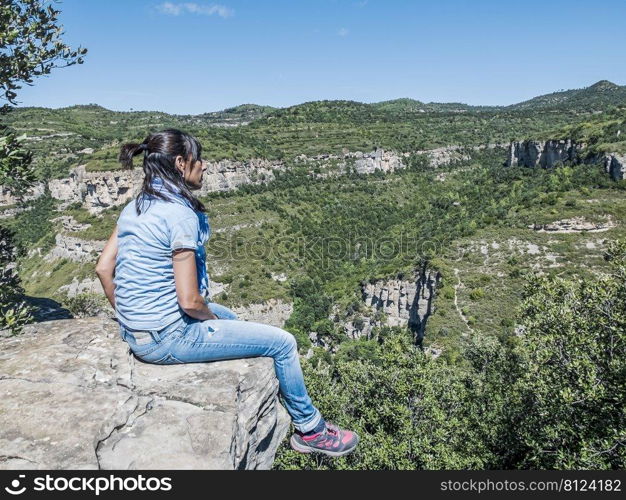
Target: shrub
[[85, 305]]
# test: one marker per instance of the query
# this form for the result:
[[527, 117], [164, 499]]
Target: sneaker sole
[[308, 449]]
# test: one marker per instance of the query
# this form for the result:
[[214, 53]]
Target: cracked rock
[[75, 398]]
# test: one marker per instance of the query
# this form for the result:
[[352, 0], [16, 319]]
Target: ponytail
[[128, 151], [160, 150]]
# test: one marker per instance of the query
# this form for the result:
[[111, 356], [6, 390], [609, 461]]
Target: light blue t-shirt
[[145, 290]]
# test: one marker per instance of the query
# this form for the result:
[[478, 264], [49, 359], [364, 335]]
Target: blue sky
[[191, 57]]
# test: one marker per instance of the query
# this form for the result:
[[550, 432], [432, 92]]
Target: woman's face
[[192, 172]]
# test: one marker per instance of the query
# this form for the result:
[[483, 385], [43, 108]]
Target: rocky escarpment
[[7, 197], [615, 166], [575, 225], [545, 154], [549, 154], [97, 191], [400, 301], [77, 249], [382, 160], [75, 398], [362, 163], [273, 312]]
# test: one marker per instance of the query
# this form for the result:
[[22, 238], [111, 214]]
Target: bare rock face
[[406, 302], [70, 247], [548, 154], [74, 397], [382, 160], [447, 155], [226, 175], [362, 163], [76, 287], [575, 225], [7, 198], [544, 154], [272, 312], [97, 191], [386, 161], [615, 166]]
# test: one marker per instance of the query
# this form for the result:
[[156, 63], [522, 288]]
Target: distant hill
[[403, 105], [238, 115], [335, 111], [406, 105], [596, 97]]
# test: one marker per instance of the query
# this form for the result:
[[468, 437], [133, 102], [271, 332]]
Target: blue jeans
[[189, 340]]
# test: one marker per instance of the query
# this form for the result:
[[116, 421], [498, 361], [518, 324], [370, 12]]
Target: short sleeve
[[184, 233]]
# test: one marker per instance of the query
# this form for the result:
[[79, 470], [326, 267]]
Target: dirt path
[[458, 285]]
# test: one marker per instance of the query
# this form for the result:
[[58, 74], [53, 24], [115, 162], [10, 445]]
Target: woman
[[153, 272]]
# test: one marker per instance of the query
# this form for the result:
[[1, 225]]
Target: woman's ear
[[179, 162]]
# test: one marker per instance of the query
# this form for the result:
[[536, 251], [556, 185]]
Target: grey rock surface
[[97, 191], [615, 166], [549, 154], [74, 397], [545, 154], [273, 312], [406, 302]]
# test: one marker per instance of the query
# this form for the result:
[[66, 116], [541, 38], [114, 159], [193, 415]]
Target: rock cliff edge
[[74, 397]]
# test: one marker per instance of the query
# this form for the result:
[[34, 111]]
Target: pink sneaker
[[332, 441]]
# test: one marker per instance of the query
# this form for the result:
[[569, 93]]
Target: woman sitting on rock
[[153, 271]]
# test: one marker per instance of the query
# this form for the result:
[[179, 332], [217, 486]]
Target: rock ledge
[[74, 397]]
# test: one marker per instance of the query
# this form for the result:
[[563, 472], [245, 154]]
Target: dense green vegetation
[[602, 132], [596, 97], [30, 46], [550, 399]]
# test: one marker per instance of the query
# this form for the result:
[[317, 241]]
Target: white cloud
[[176, 9], [343, 32]]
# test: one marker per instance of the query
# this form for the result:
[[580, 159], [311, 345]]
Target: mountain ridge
[[402, 104]]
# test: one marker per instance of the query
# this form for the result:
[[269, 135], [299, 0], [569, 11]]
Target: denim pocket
[[140, 342], [142, 337]]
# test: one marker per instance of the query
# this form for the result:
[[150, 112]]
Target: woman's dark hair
[[160, 151]]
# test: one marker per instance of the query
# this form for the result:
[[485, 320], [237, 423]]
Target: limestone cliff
[[272, 312], [400, 301], [549, 154], [97, 191], [77, 249], [75, 398], [385, 161], [545, 154], [615, 166]]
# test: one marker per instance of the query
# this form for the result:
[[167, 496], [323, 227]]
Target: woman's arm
[[186, 278], [105, 268]]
